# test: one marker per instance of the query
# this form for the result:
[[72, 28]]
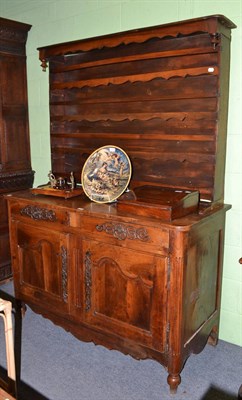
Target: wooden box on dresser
[[15, 165], [126, 275]]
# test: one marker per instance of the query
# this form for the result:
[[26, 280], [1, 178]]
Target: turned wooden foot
[[240, 393], [23, 309], [213, 338], [173, 380]]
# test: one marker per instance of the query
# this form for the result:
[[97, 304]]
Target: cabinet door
[[125, 292], [14, 133], [41, 264]]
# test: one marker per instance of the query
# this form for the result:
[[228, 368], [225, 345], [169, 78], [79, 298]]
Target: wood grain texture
[[157, 93]]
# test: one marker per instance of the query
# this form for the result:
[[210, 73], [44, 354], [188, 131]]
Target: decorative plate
[[106, 174]]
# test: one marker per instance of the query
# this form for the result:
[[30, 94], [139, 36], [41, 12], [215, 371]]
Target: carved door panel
[[125, 292], [14, 117], [41, 263]]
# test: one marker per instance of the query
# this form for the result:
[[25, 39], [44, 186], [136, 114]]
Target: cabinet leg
[[174, 381], [213, 337]]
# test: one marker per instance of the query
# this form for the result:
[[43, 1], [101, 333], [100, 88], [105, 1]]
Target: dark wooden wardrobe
[[15, 165]]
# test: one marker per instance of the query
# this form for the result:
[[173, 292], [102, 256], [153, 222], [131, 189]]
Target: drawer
[[42, 213], [126, 234]]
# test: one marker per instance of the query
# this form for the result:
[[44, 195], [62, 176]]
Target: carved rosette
[[67, 219], [122, 232], [64, 273], [38, 213], [88, 280]]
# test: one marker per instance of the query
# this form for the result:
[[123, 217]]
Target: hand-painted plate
[[106, 174]]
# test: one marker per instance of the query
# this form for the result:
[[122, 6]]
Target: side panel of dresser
[[195, 290]]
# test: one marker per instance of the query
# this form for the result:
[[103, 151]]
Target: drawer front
[[127, 234], [41, 213]]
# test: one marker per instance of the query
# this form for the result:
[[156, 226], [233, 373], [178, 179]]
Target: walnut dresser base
[[134, 284]]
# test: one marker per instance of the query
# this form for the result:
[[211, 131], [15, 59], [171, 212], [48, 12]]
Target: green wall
[[55, 21]]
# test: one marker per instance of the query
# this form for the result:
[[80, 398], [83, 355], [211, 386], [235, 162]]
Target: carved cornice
[[38, 213], [13, 36], [15, 174], [64, 273], [122, 232], [88, 280], [172, 30], [10, 33]]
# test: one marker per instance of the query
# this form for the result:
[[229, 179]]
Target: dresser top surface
[[82, 205]]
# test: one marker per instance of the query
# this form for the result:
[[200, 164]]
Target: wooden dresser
[[15, 165], [128, 275]]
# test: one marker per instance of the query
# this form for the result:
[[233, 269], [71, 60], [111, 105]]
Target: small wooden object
[[163, 203], [64, 193]]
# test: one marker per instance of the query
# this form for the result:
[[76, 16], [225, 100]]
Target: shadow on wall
[[215, 393]]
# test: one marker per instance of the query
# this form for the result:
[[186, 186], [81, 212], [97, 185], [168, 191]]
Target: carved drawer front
[[41, 213], [125, 292], [41, 264], [128, 234]]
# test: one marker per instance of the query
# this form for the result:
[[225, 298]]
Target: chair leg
[[6, 314]]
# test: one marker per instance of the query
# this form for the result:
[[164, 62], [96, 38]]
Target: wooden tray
[[164, 203], [64, 193]]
